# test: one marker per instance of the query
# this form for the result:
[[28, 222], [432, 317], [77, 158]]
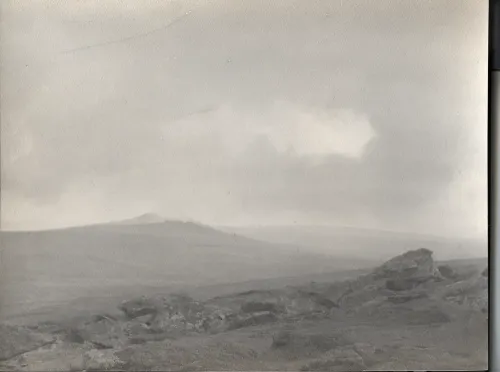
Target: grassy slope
[[50, 267]]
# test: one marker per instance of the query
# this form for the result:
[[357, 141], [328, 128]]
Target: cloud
[[312, 133], [289, 128], [317, 112]]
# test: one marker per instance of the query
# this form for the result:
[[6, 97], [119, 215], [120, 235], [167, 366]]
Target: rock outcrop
[[159, 332], [408, 271], [417, 264], [472, 293], [402, 279]]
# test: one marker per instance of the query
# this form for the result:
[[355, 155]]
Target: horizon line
[[228, 226]]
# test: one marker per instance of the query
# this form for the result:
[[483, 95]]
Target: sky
[[359, 113]]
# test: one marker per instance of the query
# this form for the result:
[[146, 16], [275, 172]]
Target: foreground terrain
[[50, 268], [409, 313]]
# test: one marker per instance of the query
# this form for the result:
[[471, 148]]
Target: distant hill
[[146, 218], [41, 268], [363, 243]]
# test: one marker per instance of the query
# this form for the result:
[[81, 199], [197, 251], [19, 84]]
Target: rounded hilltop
[[145, 218]]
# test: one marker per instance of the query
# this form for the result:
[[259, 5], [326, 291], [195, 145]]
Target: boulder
[[447, 272], [409, 269]]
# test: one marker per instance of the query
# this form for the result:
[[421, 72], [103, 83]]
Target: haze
[[360, 113]]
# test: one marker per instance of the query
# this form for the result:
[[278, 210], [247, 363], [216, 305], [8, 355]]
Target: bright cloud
[[290, 129]]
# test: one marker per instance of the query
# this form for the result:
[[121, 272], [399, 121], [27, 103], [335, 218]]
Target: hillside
[[408, 313], [369, 244], [42, 268]]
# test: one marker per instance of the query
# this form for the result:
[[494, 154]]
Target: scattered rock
[[406, 297], [185, 306], [101, 360], [139, 307], [296, 345], [174, 325], [214, 320], [340, 359]]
